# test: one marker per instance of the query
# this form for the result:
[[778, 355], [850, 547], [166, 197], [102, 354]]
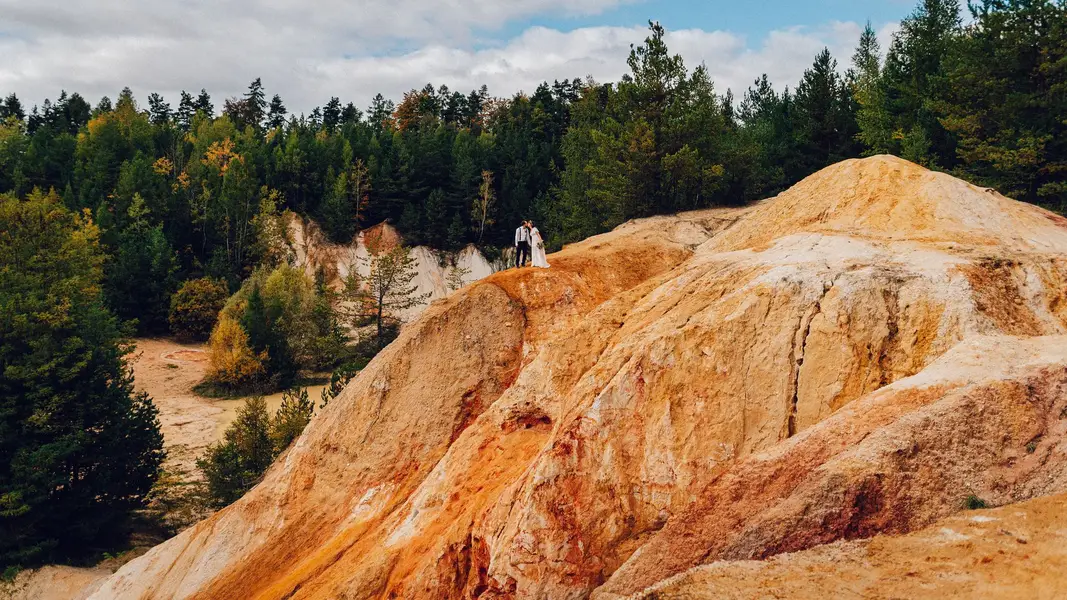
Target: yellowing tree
[[232, 361], [484, 203]]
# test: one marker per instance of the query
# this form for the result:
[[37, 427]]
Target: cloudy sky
[[310, 51]]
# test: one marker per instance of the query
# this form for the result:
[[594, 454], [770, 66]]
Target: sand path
[[168, 370]]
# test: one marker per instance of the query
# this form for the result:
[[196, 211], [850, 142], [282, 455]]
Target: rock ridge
[[851, 358]]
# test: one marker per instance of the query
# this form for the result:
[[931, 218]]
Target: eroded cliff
[[853, 357]]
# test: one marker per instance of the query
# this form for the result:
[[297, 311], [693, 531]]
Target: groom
[[522, 245]]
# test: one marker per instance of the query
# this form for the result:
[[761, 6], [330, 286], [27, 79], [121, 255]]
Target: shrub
[[292, 417], [973, 502], [232, 363], [339, 380], [290, 321], [195, 307], [235, 464], [250, 444]]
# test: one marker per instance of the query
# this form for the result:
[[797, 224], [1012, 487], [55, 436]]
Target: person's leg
[[524, 253]]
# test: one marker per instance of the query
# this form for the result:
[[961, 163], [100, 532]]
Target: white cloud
[[308, 53]]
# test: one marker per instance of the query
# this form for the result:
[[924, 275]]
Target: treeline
[[186, 192]]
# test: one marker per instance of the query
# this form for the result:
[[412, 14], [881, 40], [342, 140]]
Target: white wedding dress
[[537, 249]]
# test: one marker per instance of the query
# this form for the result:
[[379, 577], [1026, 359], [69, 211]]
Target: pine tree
[[872, 115], [867, 61], [261, 319], [79, 450], [457, 232], [292, 417], [103, 106], [186, 111], [825, 120], [331, 114], [351, 114], [256, 103], [141, 277], [385, 292], [12, 107], [276, 115], [1002, 100], [913, 63], [456, 276], [203, 104], [380, 113], [234, 465], [159, 109], [436, 216]]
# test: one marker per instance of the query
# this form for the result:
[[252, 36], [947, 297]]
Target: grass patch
[[216, 391], [973, 502]]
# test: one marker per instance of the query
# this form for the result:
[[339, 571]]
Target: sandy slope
[[1018, 551], [168, 370]]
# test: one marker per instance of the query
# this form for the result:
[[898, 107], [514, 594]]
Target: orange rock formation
[[854, 357]]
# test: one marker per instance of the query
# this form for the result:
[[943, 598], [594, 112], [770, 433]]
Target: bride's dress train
[[538, 250]]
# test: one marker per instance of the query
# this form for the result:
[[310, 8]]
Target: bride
[[538, 247]]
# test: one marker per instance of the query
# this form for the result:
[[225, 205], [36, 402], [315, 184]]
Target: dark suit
[[522, 246]]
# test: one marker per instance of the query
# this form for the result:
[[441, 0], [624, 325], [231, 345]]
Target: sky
[[308, 51]]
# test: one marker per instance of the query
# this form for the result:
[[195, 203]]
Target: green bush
[[290, 322], [292, 417], [232, 466], [232, 365], [195, 307], [250, 445]]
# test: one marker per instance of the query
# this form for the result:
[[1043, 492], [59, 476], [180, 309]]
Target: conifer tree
[[277, 112], [232, 466], [386, 291], [79, 449], [12, 107], [186, 111], [256, 103], [159, 109], [292, 417], [203, 103]]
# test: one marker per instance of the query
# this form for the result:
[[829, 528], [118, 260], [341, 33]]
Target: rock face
[[854, 357], [313, 252]]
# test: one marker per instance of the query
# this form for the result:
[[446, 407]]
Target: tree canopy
[[78, 448], [181, 192]]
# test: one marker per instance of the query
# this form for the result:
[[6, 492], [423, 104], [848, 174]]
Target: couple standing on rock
[[529, 245]]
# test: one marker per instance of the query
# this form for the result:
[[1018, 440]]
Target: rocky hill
[[686, 404]]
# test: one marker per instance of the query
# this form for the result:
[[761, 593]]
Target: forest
[[132, 203]]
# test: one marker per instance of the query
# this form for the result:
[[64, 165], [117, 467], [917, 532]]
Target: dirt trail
[[168, 370]]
